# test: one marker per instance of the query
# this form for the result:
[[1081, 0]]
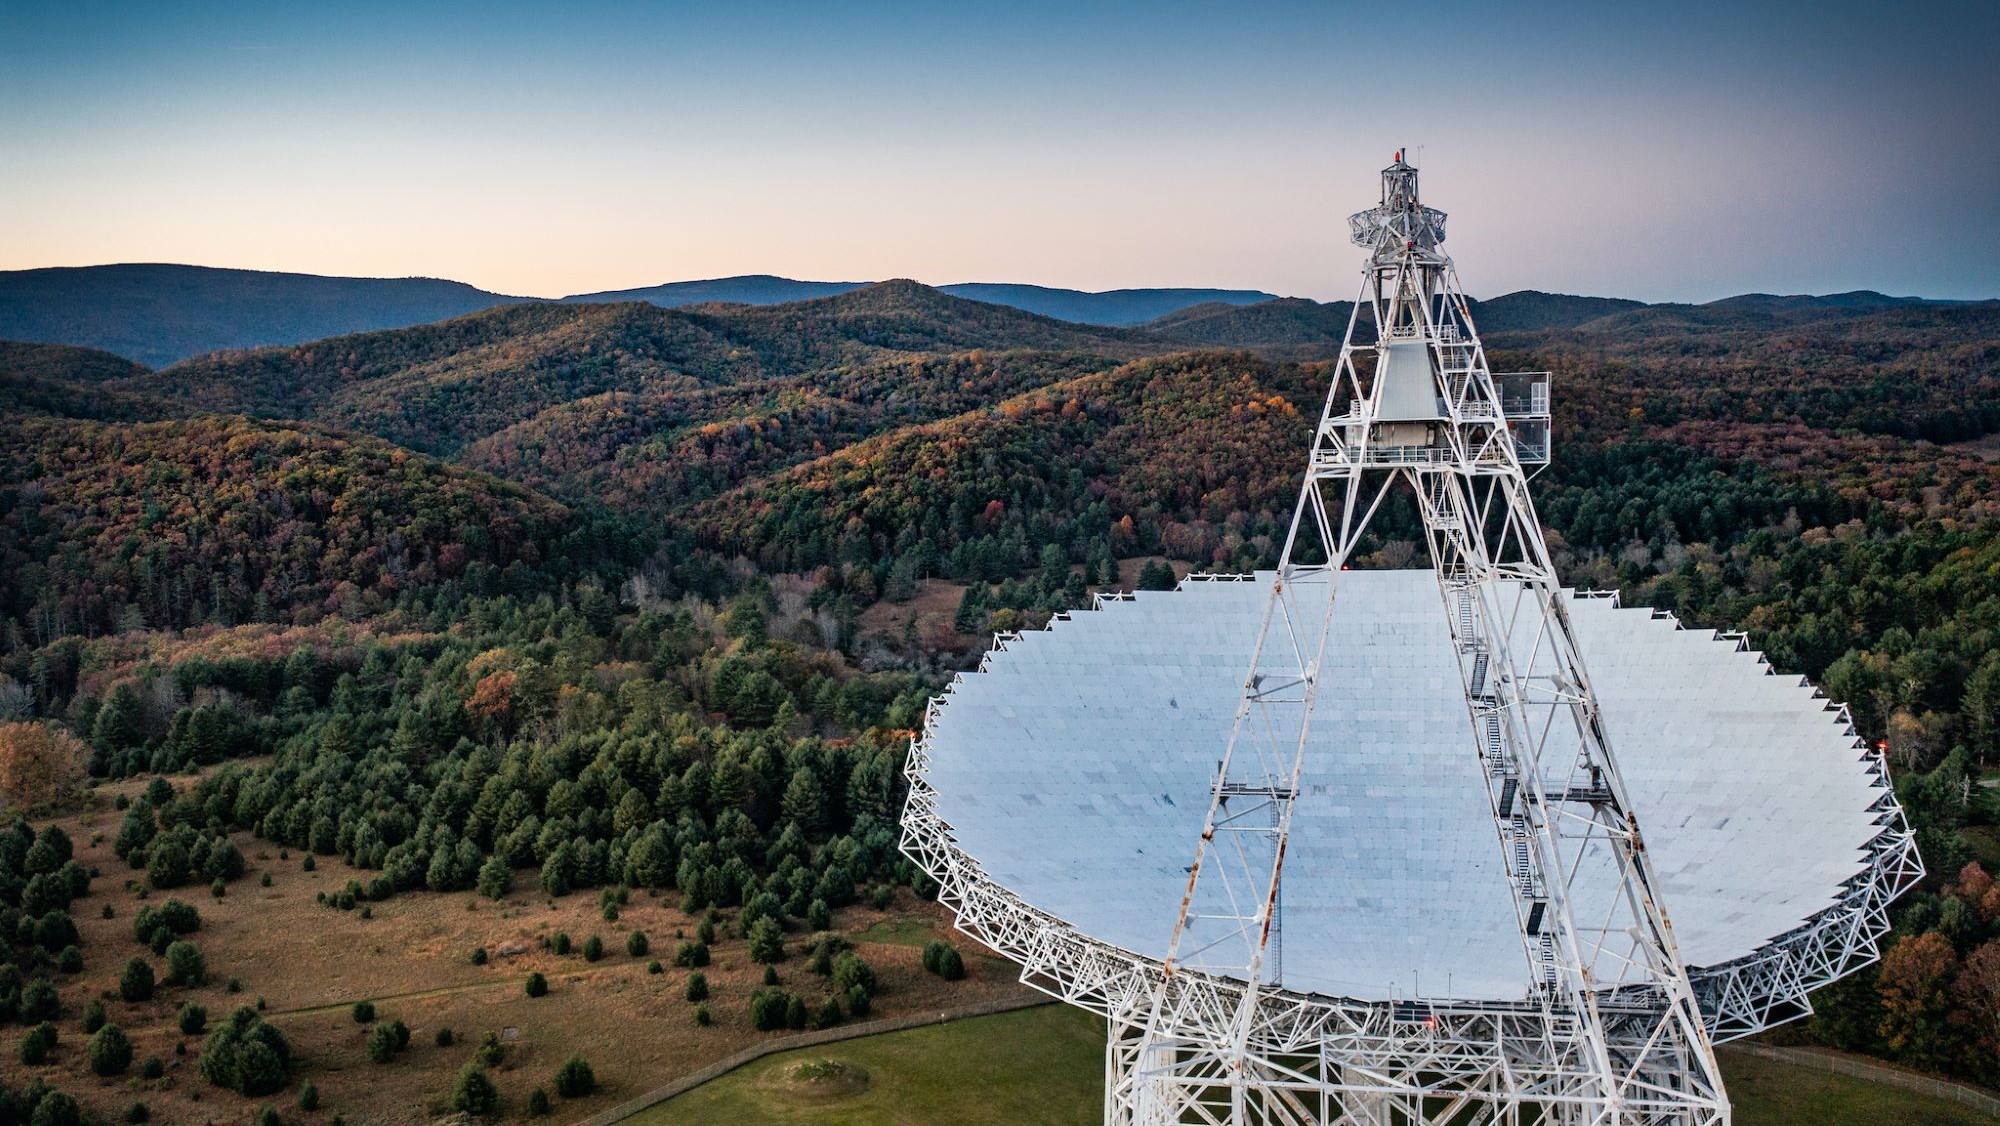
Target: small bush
[[691, 954], [93, 1016], [364, 1012], [193, 1019], [593, 948], [308, 864], [705, 933], [473, 1092], [538, 1102], [70, 961], [818, 916], [56, 1109], [153, 1068], [246, 1055], [574, 1079], [135, 982], [851, 973], [39, 1001], [654, 967], [110, 1052], [944, 960], [770, 975], [138, 1112], [185, 965], [767, 1009], [445, 1037], [264, 880], [702, 1016], [637, 945], [268, 1116], [309, 1096], [697, 986], [37, 1044], [828, 1015], [882, 898], [538, 986], [767, 941], [491, 1050], [559, 942], [382, 1044], [479, 955]]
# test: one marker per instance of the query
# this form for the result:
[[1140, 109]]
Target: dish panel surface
[[1075, 769]]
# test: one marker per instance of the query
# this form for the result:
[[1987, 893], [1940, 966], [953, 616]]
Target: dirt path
[[758, 1051]]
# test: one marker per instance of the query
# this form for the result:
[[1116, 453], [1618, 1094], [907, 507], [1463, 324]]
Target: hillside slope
[[442, 386], [170, 524]]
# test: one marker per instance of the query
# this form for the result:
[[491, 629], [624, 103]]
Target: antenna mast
[[1603, 986]]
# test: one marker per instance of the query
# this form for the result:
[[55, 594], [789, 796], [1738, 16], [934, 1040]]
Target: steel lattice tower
[[1608, 1029]]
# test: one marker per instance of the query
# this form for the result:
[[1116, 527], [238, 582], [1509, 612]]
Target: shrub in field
[[246, 1055], [767, 941], [185, 965], [38, 1043], [574, 1079], [110, 1051], [944, 960], [473, 1092], [136, 982], [39, 1001]]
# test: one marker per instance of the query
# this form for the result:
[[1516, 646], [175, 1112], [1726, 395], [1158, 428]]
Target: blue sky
[[1664, 151]]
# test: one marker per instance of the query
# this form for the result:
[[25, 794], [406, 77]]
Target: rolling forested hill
[[591, 595], [440, 387]]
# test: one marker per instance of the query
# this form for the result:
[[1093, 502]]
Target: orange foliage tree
[[40, 765]]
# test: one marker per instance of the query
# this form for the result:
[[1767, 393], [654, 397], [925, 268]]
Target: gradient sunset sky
[[1662, 151]]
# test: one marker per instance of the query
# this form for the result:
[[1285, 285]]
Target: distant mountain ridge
[[161, 314]]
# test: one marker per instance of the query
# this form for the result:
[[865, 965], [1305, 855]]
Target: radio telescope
[[1452, 845]]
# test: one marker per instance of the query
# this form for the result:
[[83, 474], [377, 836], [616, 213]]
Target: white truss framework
[[1610, 1026]]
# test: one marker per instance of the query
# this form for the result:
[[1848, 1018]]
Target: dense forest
[[601, 596]]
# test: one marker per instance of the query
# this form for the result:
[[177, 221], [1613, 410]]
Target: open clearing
[[1046, 1066], [308, 964]]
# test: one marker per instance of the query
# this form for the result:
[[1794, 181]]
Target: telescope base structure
[[1318, 1059]]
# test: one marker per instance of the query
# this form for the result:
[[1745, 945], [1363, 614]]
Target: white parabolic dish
[[1074, 770]]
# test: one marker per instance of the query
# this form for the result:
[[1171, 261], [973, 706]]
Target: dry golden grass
[[309, 964]]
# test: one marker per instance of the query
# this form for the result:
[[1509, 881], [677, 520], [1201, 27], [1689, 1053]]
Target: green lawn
[[1768, 1093], [1040, 1065], [1046, 1065]]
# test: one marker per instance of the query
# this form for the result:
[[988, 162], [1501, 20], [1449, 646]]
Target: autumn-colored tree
[[1979, 891], [1915, 983], [1977, 992], [493, 698], [40, 765]]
